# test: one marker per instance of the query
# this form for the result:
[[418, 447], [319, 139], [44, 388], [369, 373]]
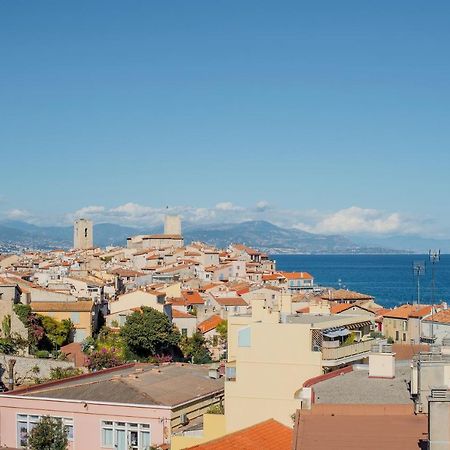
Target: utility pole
[[435, 257]]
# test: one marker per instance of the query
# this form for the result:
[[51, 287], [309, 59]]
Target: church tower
[[82, 234]]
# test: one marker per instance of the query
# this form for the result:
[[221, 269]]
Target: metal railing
[[347, 350]]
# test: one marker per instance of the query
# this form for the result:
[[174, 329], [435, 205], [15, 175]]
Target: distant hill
[[259, 234], [415, 244]]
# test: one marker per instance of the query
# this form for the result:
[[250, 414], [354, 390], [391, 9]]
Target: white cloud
[[18, 214], [355, 220], [348, 221], [228, 206], [262, 206]]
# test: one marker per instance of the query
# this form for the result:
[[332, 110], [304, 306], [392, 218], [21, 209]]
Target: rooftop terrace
[[356, 387]]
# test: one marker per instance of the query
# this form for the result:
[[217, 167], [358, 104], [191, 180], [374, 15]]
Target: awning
[[353, 326], [336, 333]]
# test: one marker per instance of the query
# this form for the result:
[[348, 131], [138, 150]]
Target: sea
[[391, 279]]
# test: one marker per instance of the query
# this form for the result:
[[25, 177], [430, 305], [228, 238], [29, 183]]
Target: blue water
[[389, 278]]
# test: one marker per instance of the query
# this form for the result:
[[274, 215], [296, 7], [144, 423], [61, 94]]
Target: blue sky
[[329, 116]]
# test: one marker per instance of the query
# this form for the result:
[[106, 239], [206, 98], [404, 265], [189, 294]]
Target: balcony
[[346, 353]]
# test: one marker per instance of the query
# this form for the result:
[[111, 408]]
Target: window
[[404, 337], [184, 332], [75, 317], [125, 436], [122, 319], [244, 337], [397, 335], [25, 423]]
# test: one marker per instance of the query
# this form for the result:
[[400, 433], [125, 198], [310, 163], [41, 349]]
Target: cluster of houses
[[288, 339]]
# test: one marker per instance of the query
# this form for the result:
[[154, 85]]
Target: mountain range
[[259, 234]]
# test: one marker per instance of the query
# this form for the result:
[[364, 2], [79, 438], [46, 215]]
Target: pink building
[[127, 408]]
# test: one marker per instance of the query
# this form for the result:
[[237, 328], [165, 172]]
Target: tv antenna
[[435, 257], [418, 271]]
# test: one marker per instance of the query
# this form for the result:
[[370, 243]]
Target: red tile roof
[[441, 317], [268, 435], [209, 324], [230, 301], [193, 297], [177, 314], [341, 307], [344, 294], [405, 311], [297, 275], [352, 427]]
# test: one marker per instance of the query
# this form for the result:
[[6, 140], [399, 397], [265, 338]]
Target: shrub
[[58, 373], [7, 346], [48, 434], [104, 359], [42, 354], [216, 409]]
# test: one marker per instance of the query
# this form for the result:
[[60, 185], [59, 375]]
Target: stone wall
[[27, 369]]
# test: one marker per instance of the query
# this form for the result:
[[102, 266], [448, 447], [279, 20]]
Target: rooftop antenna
[[435, 257], [418, 271]]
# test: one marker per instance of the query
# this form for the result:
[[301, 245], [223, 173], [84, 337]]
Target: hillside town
[[167, 344]]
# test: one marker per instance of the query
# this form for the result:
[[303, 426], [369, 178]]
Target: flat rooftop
[[324, 321], [143, 384], [356, 387]]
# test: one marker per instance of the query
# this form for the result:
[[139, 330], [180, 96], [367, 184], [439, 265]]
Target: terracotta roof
[[75, 353], [81, 306], [248, 250], [372, 427], [272, 277], [405, 352], [341, 307], [344, 294], [193, 297], [268, 435], [297, 275], [177, 314], [209, 324], [230, 301], [405, 311], [441, 317], [178, 301]]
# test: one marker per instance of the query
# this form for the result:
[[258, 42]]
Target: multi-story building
[[272, 352]]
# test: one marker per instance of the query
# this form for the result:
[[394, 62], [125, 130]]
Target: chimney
[[381, 361]]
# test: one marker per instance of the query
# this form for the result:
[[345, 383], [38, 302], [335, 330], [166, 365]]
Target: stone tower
[[83, 237], [172, 225]]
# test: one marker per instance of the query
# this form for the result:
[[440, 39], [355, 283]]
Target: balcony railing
[[346, 351]]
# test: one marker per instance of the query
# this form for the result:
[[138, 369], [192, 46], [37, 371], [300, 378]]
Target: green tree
[[195, 349], [57, 332], [48, 434], [149, 333], [222, 329]]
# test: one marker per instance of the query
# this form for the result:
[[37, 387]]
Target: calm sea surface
[[389, 278]]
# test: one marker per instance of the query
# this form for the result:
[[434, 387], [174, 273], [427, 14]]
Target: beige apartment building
[[272, 353]]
